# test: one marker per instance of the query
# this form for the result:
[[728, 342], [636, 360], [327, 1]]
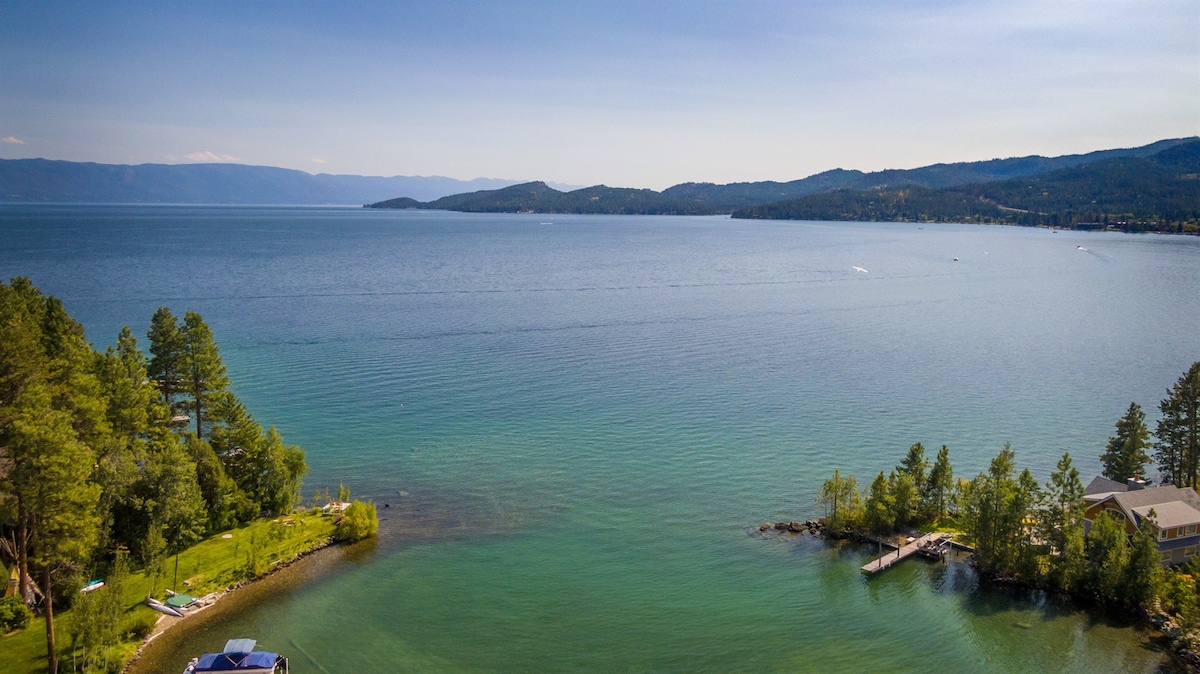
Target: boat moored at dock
[[238, 657]]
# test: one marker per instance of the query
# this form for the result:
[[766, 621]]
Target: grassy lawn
[[210, 565], [949, 525]]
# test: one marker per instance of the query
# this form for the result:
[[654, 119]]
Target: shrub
[[14, 614], [360, 521], [140, 626]]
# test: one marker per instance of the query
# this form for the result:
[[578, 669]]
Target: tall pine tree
[[1178, 432], [1125, 456], [52, 417], [204, 375], [166, 356], [939, 485]]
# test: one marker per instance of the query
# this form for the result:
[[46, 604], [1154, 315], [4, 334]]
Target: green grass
[[948, 525], [210, 565]]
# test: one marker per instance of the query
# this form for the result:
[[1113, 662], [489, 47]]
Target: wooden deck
[[906, 551]]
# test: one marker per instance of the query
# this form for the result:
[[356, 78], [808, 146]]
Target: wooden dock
[[924, 543]]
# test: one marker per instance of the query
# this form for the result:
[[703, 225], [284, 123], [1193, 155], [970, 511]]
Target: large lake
[[577, 426]]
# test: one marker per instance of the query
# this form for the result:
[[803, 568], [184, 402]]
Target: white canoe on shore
[[163, 608]]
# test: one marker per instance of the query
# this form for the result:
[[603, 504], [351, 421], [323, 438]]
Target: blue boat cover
[[225, 662]]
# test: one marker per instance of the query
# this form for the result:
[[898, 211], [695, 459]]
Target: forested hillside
[[1159, 193], [743, 195], [537, 197]]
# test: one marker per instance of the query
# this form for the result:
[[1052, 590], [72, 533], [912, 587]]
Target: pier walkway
[[924, 543]]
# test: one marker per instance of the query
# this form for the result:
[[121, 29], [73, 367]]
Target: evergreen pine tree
[[1107, 554], [204, 374], [939, 485], [1125, 456], [58, 501], [166, 356], [1063, 504], [904, 495], [52, 417], [880, 514], [1178, 432], [994, 510], [839, 496], [1070, 565], [1143, 574], [914, 464]]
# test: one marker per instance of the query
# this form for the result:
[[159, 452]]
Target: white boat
[[163, 608], [238, 657]]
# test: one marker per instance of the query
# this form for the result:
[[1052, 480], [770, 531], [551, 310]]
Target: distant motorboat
[[1081, 248], [956, 259], [860, 269]]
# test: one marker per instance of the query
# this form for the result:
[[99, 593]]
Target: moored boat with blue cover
[[238, 657]]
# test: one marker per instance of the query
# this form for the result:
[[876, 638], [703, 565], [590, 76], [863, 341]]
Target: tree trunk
[[199, 432], [23, 555], [51, 653]]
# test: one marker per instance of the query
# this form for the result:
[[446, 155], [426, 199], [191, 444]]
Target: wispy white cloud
[[318, 161], [207, 156], [12, 140]]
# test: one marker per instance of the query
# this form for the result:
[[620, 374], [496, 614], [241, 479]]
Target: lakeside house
[[1175, 522]]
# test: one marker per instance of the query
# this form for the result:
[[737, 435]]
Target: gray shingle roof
[[1172, 514], [1102, 485], [1156, 495]]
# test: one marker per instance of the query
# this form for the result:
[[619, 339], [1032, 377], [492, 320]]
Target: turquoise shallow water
[[582, 421]]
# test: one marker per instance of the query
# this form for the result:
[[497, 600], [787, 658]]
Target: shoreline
[[1162, 627], [165, 623], [404, 520]]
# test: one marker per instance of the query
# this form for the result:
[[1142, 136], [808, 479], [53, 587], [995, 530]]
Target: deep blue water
[[583, 420]]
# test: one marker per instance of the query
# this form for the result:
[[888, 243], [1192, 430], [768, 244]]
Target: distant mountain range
[[1157, 192], [743, 195], [1154, 187], [49, 181]]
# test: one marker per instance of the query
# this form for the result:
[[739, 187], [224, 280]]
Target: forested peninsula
[[1060, 535], [538, 197], [1150, 188], [142, 471]]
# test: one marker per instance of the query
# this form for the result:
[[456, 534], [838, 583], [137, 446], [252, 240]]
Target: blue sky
[[642, 94]]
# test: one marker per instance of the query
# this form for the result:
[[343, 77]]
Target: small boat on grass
[[238, 657], [163, 608]]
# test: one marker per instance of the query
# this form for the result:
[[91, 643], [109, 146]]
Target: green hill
[[537, 197], [1160, 192]]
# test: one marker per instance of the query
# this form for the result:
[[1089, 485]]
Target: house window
[[1164, 556], [1190, 530], [1162, 534], [1189, 551]]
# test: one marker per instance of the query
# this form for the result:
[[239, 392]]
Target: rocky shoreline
[[816, 528]]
